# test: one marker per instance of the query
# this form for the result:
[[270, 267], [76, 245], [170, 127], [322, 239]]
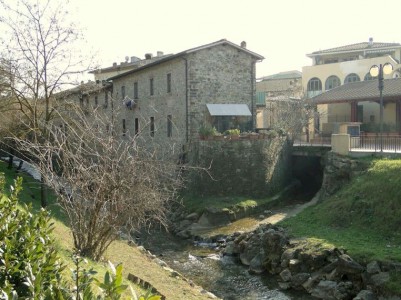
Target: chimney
[[134, 59], [370, 41], [243, 44], [148, 56], [159, 53]]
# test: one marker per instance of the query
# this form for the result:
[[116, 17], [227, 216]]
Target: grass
[[234, 203], [364, 217], [133, 260]]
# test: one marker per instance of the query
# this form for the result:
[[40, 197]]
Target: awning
[[228, 110]]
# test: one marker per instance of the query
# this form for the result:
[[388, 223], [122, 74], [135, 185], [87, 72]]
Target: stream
[[224, 276]]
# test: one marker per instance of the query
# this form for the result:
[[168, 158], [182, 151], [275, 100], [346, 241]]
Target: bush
[[207, 130], [232, 132], [29, 264]]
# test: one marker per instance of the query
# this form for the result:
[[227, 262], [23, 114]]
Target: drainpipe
[[252, 94], [186, 101]]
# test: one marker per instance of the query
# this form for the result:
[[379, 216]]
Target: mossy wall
[[240, 167]]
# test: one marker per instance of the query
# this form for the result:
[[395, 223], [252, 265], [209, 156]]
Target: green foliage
[[363, 217], [232, 132], [29, 264], [207, 130]]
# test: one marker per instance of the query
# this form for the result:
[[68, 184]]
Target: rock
[[380, 278], [365, 295], [184, 234], [284, 285], [231, 249], [297, 280], [183, 225], [286, 275], [141, 248], [192, 217], [344, 290], [347, 265], [256, 264], [160, 262], [373, 267], [325, 290]]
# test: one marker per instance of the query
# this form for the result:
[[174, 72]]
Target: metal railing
[[372, 142]]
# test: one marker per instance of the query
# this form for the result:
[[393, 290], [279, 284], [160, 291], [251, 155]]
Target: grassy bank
[[364, 217], [133, 260]]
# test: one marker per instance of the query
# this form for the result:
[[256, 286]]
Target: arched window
[[332, 82], [368, 77], [352, 78], [314, 84]]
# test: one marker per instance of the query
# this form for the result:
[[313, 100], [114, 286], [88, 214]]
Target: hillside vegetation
[[364, 217]]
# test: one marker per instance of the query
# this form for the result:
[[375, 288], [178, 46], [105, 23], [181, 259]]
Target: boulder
[[285, 275], [256, 264], [373, 267], [297, 280], [365, 295], [325, 290], [380, 278]]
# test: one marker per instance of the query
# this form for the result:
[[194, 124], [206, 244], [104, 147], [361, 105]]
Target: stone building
[[169, 99]]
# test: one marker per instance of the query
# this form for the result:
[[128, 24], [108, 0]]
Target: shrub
[[232, 132], [29, 264], [207, 130]]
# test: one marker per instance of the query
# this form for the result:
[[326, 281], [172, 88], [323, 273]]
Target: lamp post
[[378, 71]]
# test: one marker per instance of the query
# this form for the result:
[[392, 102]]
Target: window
[[123, 92], [106, 99], [151, 91], [96, 101], [152, 126], [332, 82], [368, 77], [135, 90], [124, 128], [169, 125], [169, 83], [136, 126], [314, 84], [351, 78]]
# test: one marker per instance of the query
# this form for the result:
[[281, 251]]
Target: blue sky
[[282, 31]]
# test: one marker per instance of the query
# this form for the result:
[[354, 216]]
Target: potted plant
[[206, 131], [233, 134]]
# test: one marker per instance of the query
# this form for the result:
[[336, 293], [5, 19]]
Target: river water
[[224, 276]]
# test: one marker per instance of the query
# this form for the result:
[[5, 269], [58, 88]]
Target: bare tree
[[106, 183], [37, 60]]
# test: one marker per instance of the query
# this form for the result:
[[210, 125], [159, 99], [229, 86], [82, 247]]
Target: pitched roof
[[283, 75], [192, 50], [356, 47], [362, 90]]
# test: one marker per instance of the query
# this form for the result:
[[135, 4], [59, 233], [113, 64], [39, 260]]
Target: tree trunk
[[43, 193]]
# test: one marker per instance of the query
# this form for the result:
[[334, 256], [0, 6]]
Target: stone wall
[[220, 74], [240, 167]]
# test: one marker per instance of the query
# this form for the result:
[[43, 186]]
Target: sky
[[283, 31]]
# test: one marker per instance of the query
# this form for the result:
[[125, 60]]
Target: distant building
[[338, 66], [272, 91]]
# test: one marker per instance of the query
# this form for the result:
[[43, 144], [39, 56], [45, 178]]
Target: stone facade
[[218, 73]]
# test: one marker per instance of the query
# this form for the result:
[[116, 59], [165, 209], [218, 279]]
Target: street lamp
[[378, 71]]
